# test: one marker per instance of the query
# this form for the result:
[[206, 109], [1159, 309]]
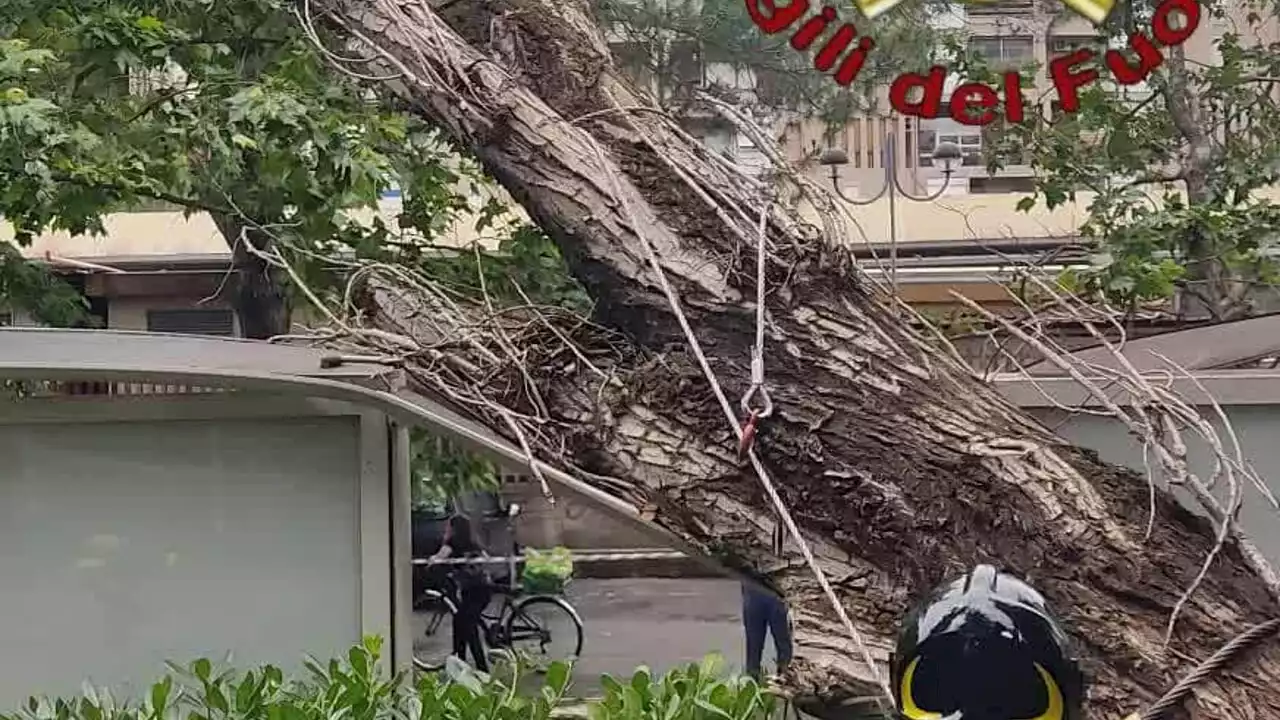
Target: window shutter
[[192, 322]]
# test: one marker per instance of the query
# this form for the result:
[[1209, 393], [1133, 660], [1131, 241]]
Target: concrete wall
[[1256, 426], [131, 313], [569, 522]]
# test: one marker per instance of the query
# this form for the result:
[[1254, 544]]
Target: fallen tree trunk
[[898, 465]]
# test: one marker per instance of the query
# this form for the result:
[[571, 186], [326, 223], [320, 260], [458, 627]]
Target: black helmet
[[984, 647]]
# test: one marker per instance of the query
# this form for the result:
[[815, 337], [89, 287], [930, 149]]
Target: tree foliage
[[228, 108], [358, 686], [442, 470], [681, 46], [1174, 169], [219, 107]]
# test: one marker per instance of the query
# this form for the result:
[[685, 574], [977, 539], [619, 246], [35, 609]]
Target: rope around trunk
[[1219, 660]]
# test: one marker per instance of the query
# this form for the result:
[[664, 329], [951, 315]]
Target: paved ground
[[656, 622]]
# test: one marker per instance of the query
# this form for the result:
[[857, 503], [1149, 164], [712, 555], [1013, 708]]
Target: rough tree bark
[[255, 290], [900, 468]]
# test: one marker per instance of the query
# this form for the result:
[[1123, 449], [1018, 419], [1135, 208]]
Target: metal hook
[[766, 404]]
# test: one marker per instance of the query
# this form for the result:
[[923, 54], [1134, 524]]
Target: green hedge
[[355, 688]]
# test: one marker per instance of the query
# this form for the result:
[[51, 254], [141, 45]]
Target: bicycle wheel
[[546, 629], [433, 630]]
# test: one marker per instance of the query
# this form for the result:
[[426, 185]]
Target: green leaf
[[215, 698], [1121, 142], [610, 685], [160, 695], [359, 659], [713, 709], [1121, 284], [641, 681], [149, 23], [557, 677], [246, 691]]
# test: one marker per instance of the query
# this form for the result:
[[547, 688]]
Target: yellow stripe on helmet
[[911, 711], [909, 708]]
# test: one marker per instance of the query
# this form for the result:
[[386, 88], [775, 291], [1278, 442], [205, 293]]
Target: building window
[[721, 140], [970, 147], [1004, 7], [1059, 45], [1001, 185], [1004, 51], [928, 141], [192, 322]]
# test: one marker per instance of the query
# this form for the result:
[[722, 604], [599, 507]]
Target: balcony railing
[[1005, 7]]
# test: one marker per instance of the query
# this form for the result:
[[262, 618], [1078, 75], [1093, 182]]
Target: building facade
[[1010, 34], [160, 271]]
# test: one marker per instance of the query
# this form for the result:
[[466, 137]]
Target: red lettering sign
[[974, 103]]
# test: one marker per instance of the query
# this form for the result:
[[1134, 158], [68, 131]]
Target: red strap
[[748, 434]]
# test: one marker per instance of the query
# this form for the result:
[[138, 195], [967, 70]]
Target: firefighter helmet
[[985, 647]]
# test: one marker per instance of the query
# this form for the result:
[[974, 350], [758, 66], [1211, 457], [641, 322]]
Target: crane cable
[[758, 389], [745, 440]]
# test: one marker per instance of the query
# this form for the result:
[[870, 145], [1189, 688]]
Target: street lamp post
[[946, 152]]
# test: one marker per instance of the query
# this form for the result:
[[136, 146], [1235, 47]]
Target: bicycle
[[516, 621]]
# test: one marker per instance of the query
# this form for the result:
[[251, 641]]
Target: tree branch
[[118, 188]]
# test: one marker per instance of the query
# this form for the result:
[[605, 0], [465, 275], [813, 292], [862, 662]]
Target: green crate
[[546, 572]]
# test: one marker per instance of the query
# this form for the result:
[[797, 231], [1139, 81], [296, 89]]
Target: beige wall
[[970, 217], [960, 217], [132, 234], [131, 313], [144, 234], [949, 218]]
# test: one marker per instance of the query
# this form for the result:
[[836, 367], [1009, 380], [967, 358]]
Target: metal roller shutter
[[192, 322]]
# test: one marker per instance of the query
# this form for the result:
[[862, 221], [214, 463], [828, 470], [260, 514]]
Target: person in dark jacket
[[763, 612], [474, 589]]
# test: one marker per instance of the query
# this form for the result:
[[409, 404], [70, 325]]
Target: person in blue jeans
[[763, 612]]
